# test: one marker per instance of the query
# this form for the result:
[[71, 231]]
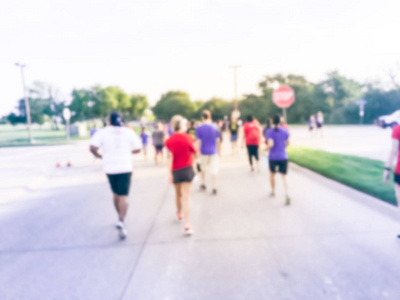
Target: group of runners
[[316, 122], [193, 149]]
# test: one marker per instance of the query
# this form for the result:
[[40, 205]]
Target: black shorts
[[159, 148], [183, 175], [120, 183], [281, 164], [397, 178], [319, 125]]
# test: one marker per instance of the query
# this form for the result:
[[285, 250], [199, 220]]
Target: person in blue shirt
[[145, 141]]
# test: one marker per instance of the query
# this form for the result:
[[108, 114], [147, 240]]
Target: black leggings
[[252, 151]]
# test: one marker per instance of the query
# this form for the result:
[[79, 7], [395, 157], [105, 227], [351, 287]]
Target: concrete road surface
[[366, 141], [58, 240]]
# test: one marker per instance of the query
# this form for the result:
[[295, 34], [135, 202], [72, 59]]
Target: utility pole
[[235, 85], [27, 106]]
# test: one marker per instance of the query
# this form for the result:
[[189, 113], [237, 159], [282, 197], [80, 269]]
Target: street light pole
[[235, 84], [27, 106]]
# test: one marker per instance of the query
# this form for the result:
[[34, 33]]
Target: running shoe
[[179, 216], [120, 225], [123, 233], [272, 194], [202, 187], [288, 200], [189, 231], [214, 191]]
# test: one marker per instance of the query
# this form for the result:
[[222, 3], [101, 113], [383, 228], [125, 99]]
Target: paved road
[[366, 141], [59, 242]]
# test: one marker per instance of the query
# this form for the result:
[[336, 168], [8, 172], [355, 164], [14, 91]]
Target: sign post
[[361, 103], [67, 117], [283, 97]]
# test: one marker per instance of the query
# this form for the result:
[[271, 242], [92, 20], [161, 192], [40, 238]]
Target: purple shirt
[[280, 136], [145, 138], [208, 134]]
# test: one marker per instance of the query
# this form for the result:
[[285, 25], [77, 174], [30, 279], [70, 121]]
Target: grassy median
[[360, 173]]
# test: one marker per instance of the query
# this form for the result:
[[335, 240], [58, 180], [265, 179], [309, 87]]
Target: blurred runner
[[158, 137], [117, 144], [225, 124], [268, 125], [208, 140], [144, 135], [181, 147], [311, 124], [93, 130], [252, 135], [284, 125], [192, 129], [277, 140], [234, 130], [320, 122], [394, 154]]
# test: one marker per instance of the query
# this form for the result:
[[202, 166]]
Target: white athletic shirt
[[116, 145]]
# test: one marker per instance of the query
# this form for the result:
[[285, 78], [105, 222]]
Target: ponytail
[[276, 120]]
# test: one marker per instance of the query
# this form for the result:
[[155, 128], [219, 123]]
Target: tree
[[172, 103], [138, 104], [83, 103], [218, 107]]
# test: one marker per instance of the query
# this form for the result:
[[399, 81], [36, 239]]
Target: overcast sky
[[153, 46]]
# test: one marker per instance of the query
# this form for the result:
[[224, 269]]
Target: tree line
[[336, 97]]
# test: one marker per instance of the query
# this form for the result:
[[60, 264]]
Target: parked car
[[389, 120]]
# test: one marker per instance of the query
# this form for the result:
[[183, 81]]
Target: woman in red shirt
[[180, 144], [394, 154]]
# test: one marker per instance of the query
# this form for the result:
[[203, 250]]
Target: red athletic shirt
[[181, 147], [396, 136], [252, 132]]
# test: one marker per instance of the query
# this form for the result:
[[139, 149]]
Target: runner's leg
[[272, 181], [186, 202], [122, 207], [256, 157], [285, 184], [250, 156], [178, 198]]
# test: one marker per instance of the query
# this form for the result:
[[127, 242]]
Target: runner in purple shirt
[[208, 141], [277, 139]]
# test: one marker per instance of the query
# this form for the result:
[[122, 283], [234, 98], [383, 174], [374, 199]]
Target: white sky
[[153, 46]]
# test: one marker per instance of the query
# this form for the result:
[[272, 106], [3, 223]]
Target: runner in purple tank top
[[277, 139]]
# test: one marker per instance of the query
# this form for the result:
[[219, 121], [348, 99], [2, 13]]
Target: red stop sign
[[283, 97]]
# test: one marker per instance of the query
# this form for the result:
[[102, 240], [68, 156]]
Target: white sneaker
[[120, 225], [123, 233], [189, 231]]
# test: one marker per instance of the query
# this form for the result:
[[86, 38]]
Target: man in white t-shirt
[[117, 144]]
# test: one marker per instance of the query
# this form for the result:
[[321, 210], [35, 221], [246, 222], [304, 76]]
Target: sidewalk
[[59, 242]]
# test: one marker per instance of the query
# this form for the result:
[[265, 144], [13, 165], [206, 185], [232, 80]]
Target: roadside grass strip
[[363, 174]]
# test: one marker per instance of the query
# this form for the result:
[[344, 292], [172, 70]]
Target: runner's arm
[[270, 144], [197, 145], [95, 151], [392, 155], [219, 146]]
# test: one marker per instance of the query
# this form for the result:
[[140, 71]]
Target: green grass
[[359, 173], [19, 137]]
